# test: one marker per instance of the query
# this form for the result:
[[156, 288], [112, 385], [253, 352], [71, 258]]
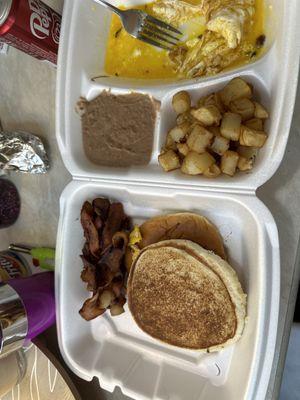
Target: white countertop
[[27, 88]]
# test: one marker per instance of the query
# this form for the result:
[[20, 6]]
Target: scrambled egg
[[229, 25], [176, 12], [135, 239], [217, 34]]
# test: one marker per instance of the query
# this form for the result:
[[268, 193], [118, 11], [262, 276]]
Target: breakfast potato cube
[[106, 298], [220, 145], [195, 164], [255, 123], [206, 101], [169, 160], [170, 143], [207, 115], [229, 162], [245, 164], [215, 130], [260, 111], [237, 88], [218, 102], [231, 126], [183, 149], [212, 172], [247, 152], [212, 99], [184, 117], [178, 132], [181, 102], [199, 139], [244, 107], [116, 309], [251, 137]]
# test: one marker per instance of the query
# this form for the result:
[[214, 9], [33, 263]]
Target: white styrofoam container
[[116, 350], [119, 353]]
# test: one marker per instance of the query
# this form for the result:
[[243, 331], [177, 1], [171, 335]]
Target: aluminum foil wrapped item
[[22, 151]]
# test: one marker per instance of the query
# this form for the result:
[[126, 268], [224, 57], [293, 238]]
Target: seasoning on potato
[[221, 134], [181, 102]]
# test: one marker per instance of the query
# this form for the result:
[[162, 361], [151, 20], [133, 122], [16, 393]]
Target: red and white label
[[40, 19]]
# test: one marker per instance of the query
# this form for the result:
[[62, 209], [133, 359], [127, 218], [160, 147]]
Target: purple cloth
[[37, 294]]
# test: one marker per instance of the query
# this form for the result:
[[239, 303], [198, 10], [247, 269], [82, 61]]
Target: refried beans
[[118, 130]]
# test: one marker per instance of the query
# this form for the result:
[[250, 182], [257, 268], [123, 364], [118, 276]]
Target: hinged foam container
[[115, 350]]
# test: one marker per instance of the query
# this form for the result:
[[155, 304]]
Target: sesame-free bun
[[186, 296], [188, 226]]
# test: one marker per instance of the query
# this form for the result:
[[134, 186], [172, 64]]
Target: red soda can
[[30, 26]]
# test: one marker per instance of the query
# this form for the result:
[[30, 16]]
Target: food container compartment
[[96, 21], [117, 352], [80, 57], [267, 161]]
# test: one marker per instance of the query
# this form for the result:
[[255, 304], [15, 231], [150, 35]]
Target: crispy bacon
[[113, 223], [90, 231], [91, 308], [101, 207], [88, 274], [106, 231]]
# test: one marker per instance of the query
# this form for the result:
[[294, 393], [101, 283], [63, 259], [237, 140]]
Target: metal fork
[[144, 27]]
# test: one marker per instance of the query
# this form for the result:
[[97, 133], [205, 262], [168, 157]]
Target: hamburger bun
[[186, 296]]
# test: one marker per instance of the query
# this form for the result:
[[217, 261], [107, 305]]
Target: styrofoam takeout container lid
[[114, 349]]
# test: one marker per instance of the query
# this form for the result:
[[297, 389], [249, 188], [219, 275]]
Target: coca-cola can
[[30, 26]]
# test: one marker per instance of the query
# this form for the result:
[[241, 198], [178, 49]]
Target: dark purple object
[[37, 294], [9, 203]]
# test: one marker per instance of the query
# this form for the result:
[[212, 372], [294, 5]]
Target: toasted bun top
[[188, 226], [186, 296]]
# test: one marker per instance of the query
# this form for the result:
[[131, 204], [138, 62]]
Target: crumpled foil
[[22, 151]]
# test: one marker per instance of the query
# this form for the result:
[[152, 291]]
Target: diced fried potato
[[225, 125], [229, 162], [218, 102], [195, 164], [231, 126], [244, 107], [116, 309], [260, 111], [181, 102], [199, 139], [212, 172], [170, 143], [106, 298], [251, 137], [183, 149], [206, 100], [245, 164], [215, 130], [212, 99], [237, 88], [220, 145], [247, 152], [255, 123], [184, 117], [178, 132], [207, 115], [169, 160], [185, 126]]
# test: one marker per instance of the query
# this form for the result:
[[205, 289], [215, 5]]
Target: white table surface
[[27, 88]]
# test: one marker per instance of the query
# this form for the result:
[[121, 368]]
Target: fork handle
[[109, 6]]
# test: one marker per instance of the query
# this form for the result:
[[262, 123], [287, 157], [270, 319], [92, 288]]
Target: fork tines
[[158, 33]]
